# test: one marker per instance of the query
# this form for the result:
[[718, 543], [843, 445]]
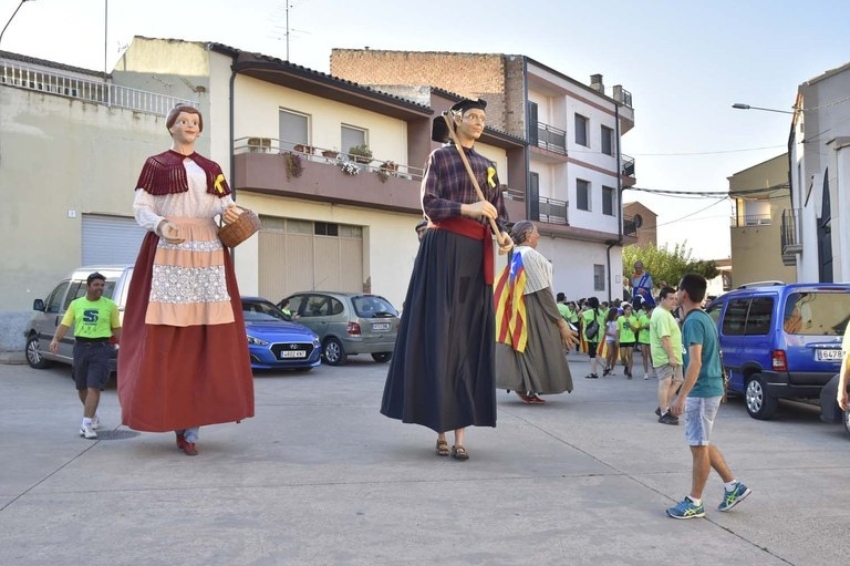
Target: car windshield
[[817, 313], [259, 311], [372, 306]]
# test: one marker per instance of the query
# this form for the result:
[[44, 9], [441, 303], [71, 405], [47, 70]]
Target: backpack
[[592, 328]]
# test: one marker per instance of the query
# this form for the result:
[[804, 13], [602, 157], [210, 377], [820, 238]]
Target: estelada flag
[[602, 348], [511, 318]]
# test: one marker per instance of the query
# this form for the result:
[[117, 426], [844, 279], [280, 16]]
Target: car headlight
[[256, 341], [316, 342]]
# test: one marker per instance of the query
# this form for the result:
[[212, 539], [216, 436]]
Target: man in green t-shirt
[[699, 400], [665, 342], [95, 320]]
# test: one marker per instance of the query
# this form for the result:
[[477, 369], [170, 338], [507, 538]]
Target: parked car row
[[326, 325]]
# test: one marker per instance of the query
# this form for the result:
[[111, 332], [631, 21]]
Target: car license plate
[[828, 355], [381, 326], [293, 354]]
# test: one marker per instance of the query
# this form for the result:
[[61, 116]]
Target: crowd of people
[[464, 333]]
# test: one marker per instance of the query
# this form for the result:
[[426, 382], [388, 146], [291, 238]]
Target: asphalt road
[[319, 477]]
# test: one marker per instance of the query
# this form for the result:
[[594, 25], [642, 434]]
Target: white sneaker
[[95, 423], [646, 376], [86, 431]]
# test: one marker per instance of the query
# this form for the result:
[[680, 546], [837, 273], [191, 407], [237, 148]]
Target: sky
[[685, 63]]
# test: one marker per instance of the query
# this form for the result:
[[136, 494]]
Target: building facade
[[574, 171], [815, 235], [761, 195], [643, 223]]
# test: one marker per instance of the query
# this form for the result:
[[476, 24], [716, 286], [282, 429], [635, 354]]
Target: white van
[[49, 312]]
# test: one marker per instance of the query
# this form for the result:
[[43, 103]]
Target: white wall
[[573, 262]]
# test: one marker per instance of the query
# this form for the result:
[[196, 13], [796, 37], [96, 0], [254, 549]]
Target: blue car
[[276, 343], [781, 341]]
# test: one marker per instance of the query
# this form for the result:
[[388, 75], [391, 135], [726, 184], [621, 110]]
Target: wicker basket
[[237, 232]]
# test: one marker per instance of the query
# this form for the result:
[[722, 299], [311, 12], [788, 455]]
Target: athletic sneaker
[[732, 498], [86, 431], [658, 411], [95, 422], [592, 376], [645, 376], [667, 418], [687, 510]]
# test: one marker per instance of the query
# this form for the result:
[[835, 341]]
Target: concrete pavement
[[319, 477]]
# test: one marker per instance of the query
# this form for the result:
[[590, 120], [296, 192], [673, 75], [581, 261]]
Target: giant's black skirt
[[442, 371]]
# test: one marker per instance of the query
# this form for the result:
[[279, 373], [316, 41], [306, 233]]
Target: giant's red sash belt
[[476, 231]]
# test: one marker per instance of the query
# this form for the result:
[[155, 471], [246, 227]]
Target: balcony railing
[[552, 211], [745, 220], [325, 155], [551, 138], [30, 78], [789, 235], [628, 165], [630, 226]]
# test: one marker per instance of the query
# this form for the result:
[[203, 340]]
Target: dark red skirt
[[171, 378]]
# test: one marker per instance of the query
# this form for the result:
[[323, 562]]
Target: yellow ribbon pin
[[218, 181], [491, 177]]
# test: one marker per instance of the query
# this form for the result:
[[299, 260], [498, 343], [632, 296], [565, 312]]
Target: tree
[[665, 265]]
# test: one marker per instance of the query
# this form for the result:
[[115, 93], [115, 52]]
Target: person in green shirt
[[644, 316], [567, 313], [665, 342], [95, 320], [593, 313], [628, 326]]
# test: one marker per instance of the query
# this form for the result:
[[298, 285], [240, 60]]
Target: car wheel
[[760, 405], [33, 353], [382, 357], [333, 352]]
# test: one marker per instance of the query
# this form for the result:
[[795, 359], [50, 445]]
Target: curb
[[15, 358]]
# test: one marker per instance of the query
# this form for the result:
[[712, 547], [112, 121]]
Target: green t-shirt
[[565, 311], [627, 326], [92, 319], [663, 324], [699, 328], [587, 316], [643, 333]]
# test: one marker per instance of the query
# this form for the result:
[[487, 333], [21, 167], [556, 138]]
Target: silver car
[[346, 323]]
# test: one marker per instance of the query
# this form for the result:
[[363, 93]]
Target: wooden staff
[[493, 226]]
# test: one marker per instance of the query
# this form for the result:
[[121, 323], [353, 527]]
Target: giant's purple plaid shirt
[[447, 185]]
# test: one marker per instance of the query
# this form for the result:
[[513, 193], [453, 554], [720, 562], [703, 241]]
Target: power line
[[708, 194]]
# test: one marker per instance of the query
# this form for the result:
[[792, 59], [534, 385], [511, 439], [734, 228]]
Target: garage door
[[300, 255], [110, 240]]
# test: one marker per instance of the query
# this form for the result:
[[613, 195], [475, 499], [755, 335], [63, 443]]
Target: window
[[758, 319], [735, 317], [54, 301], [581, 130], [582, 194], [598, 277], [608, 203], [607, 141], [326, 229], [294, 129], [352, 136]]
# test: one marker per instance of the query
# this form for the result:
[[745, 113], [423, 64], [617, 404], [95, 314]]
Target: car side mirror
[[38, 305]]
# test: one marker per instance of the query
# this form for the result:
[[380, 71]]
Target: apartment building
[[815, 232], [573, 172], [761, 196], [281, 132]]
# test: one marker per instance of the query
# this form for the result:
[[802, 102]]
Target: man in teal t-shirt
[[665, 342], [699, 400], [95, 320]]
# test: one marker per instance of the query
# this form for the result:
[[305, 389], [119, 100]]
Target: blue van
[[780, 340]]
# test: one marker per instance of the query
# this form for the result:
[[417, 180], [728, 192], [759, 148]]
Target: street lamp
[[739, 106], [12, 18]]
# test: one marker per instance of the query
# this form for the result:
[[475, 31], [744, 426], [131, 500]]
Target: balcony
[[628, 171], [552, 211], [59, 84], [630, 226], [789, 236], [745, 220], [551, 141]]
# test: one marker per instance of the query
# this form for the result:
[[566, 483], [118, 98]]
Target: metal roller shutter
[[110, 240]]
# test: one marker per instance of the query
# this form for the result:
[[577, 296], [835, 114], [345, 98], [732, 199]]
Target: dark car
[[275, 343], [781, 340], [347, 323]]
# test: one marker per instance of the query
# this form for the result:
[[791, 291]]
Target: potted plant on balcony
[[360, 153], [387, 169], [330, 153], [294, 165], [303, 148]]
